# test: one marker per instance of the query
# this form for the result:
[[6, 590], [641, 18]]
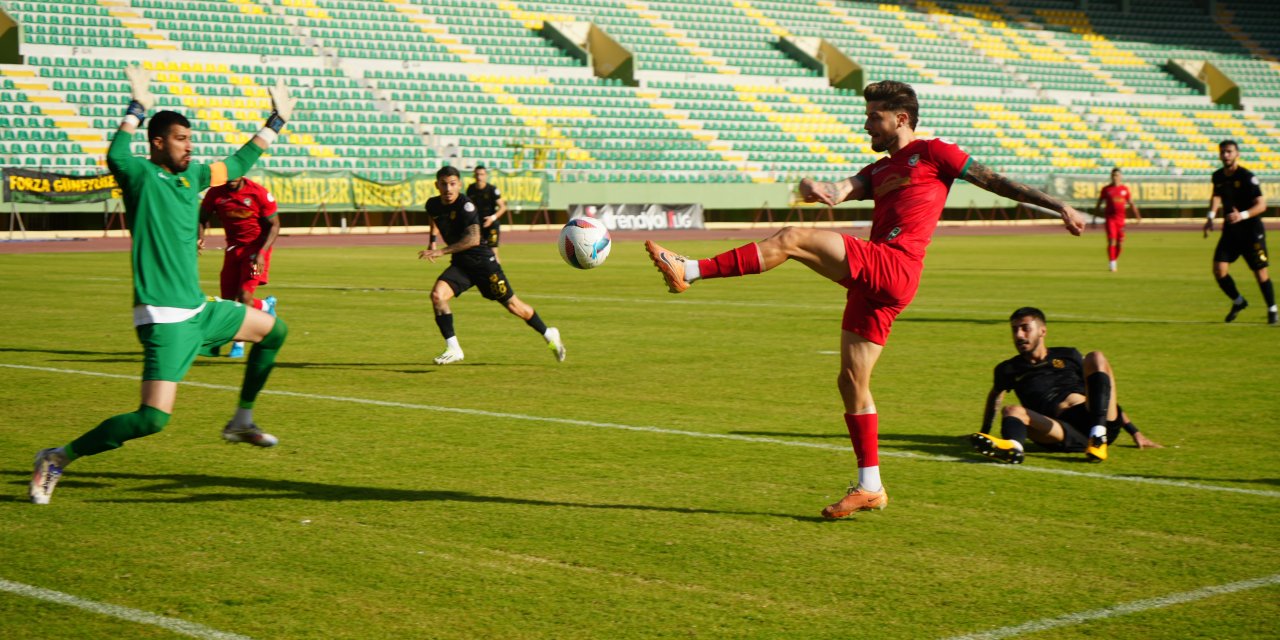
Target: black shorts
[[490, 237], [1076, 423], [487, 275], [1252, 245]]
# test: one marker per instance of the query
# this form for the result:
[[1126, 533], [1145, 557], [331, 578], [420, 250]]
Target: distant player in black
[[472, 264], [488, 199], [1237, 192], [1068, 400]]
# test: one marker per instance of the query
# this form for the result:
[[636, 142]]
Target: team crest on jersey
[[182, 180], [1058, 363], [911, 162], [247, 202]]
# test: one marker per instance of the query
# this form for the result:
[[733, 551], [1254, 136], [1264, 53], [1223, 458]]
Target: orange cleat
[[670, 264], [856, 500]]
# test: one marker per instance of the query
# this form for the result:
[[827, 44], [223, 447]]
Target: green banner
[[345, 191], [31, 186], [1186, 191]]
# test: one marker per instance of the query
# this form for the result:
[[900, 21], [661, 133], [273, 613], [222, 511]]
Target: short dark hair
[[1115, 171], [479, 167], [163, 121], [897, 96], [446, 171], [1228, 143], [1028, 311]]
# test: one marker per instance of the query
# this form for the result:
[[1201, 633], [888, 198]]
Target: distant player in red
[[248, 215], [1116, 196], [881, 275]]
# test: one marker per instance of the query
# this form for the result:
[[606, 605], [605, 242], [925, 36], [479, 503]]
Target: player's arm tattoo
[[981, 176], [470, 238]]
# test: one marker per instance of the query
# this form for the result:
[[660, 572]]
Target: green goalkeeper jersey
[[164, 215]]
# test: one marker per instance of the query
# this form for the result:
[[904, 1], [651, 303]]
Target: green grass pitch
[[407, 520]]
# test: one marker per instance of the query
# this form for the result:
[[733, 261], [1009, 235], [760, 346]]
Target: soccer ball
[[584, 243]]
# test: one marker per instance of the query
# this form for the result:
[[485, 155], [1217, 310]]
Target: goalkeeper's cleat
[[449, 356], [237, 350], [269, 305], [671, 265], [1096, 451], [555, 344], [1236, 309], [48, 469], [998, 448], [857, 499], [249, 433]]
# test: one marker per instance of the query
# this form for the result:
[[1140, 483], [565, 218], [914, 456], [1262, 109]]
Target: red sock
[[864, 432], [742, 261], [1117, 251], [1113, 251], [256, 304]]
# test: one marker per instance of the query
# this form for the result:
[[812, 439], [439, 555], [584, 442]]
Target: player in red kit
[[881, 275], [1116, 196], [248, 215]]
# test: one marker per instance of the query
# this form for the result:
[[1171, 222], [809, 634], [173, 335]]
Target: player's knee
[[276, 336], [439, 296], [1096, 360], [790, 237], [1015, 411], [151, 420]]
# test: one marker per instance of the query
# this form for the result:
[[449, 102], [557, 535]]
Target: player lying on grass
[[173, 318], [1068, 400], [910, 188]]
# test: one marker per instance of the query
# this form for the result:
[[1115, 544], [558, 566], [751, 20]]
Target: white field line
[[175, 625], [674, 432], [1136, 606]]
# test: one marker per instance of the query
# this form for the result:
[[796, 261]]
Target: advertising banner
[[31, 186], [642, 217]]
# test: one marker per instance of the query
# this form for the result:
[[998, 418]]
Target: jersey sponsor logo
[[893, 234], [892, 184]]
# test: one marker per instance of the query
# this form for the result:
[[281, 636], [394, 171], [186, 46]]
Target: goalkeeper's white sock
[[691, 270], [1098, 431], [452, 344], [243, 416]]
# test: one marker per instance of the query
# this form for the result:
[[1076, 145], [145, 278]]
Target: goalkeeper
[[173, 319]]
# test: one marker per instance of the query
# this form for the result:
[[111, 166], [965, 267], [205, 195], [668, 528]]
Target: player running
[[1117, 197], [248, 215], [1239, 194], [910, 188], [1068, 400], [472, 264], [173, 318], [488, 199]]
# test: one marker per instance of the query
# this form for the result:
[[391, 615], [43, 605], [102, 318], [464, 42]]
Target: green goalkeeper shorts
[[169, 349]]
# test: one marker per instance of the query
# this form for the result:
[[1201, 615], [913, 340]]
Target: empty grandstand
[[716, 92]]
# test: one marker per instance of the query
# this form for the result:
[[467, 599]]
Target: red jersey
[[910, 189], [241, 211], [1117, 198]]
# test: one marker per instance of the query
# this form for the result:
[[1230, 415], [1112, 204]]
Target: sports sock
[[864, 434], [242, 416], [1113, 252], [692, 271], [1228, 286], [1098, 393], [445, 322], [113, 432], [1013, 429], [451, 343], [1268, 294], [536, 323], [1119, 247], [256, 304], [1098, 431], [262, 357], [742, 261]]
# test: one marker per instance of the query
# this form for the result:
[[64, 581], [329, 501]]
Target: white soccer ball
[[584, 243]]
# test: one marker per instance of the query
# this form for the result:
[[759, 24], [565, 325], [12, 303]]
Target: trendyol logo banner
[[641, 217]]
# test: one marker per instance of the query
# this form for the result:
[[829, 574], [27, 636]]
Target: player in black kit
[[1237, 191], [1068, 400], [488, 199], [472, 264]]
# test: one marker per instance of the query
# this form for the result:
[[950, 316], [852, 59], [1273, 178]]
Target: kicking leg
[[1268, 294], [819, 249], [1228, 286], [857, 359]]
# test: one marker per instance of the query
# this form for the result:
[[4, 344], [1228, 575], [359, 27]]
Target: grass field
[[509, 497]]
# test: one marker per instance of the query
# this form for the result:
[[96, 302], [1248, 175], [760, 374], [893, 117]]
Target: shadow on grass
[[185, 488]]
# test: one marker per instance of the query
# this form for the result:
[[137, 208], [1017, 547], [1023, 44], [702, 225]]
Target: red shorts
[[1115, 228], [882, 281], [237, 272]]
